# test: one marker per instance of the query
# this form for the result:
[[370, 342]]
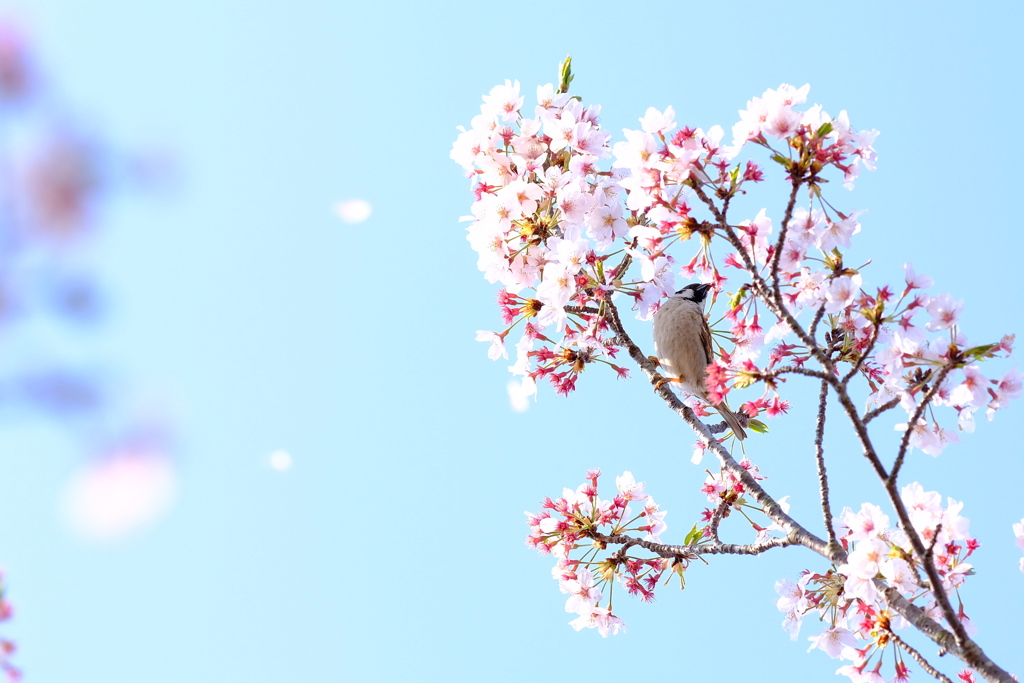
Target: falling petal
[[353, 210], [281, 461]]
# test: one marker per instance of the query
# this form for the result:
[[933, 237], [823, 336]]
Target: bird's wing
[[705, 340]]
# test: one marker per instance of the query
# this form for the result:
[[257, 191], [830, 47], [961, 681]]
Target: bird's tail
[[732, 420]]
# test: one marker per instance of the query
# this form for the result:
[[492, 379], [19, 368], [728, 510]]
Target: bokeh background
[[328, 476]]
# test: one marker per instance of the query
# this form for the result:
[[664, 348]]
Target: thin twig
[[929, 555], [863, 356], [813, 329], [773, 276], [761, 288], [919, 658], [794, 370], [888, 405]]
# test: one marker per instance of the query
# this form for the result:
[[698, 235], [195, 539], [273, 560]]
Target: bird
[[682, 344]]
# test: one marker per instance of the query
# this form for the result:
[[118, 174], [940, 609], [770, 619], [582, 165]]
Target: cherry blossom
[[576, 228]]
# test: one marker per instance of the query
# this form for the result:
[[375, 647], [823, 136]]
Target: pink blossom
[[629, 487], [638, 151], [658, 123], [497, 349], [602, 619], [915, 281], [899, 575], [841, 291], [655, 524], [924, 438], [944, 311], [833, 640], [837, 233], [549, 101], [792, 596], [504, 101], [973, 391], [1009, 387], [754, 236], [870, 522], [583, 595]]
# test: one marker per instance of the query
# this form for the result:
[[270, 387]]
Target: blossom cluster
[[858, 623], [575, 529], [725, 489], [7, 647], [547, 221], [543, 222]]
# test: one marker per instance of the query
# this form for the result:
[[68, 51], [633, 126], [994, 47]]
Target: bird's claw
[[662, 381]]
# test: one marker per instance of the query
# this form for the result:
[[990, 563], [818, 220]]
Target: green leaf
[[757, 426], [693, 536], [825, 129], [983, 351], [778, 158]]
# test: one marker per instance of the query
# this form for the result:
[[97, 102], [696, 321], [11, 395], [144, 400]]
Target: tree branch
[[819, 456], [696, 550], [768, 504], [773, 275], [888, 405], [912, 423], [957, 642]]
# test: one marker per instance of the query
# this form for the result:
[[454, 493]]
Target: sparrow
[[682, 344]]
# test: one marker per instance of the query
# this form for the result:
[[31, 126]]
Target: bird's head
[[695, 293]]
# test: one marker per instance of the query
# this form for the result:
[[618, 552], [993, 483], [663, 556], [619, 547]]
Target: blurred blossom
[[54, 179], [120, 494], [60, 183], [281, 460], [518, 398], [15, 71], [353, 210]]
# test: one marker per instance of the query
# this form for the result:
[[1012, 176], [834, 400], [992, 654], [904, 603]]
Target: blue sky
[[392, 550]]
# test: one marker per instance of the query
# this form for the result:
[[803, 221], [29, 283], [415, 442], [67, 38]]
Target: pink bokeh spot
[[119, 495]]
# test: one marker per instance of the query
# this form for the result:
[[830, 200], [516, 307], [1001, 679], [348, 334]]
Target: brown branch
[[813, 329], [768, 504], [819, 456], [773, 275], [888, 405], [771, 298], [716, 520], [794, 370], [696, 550], [905, 441], [956, 642]]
